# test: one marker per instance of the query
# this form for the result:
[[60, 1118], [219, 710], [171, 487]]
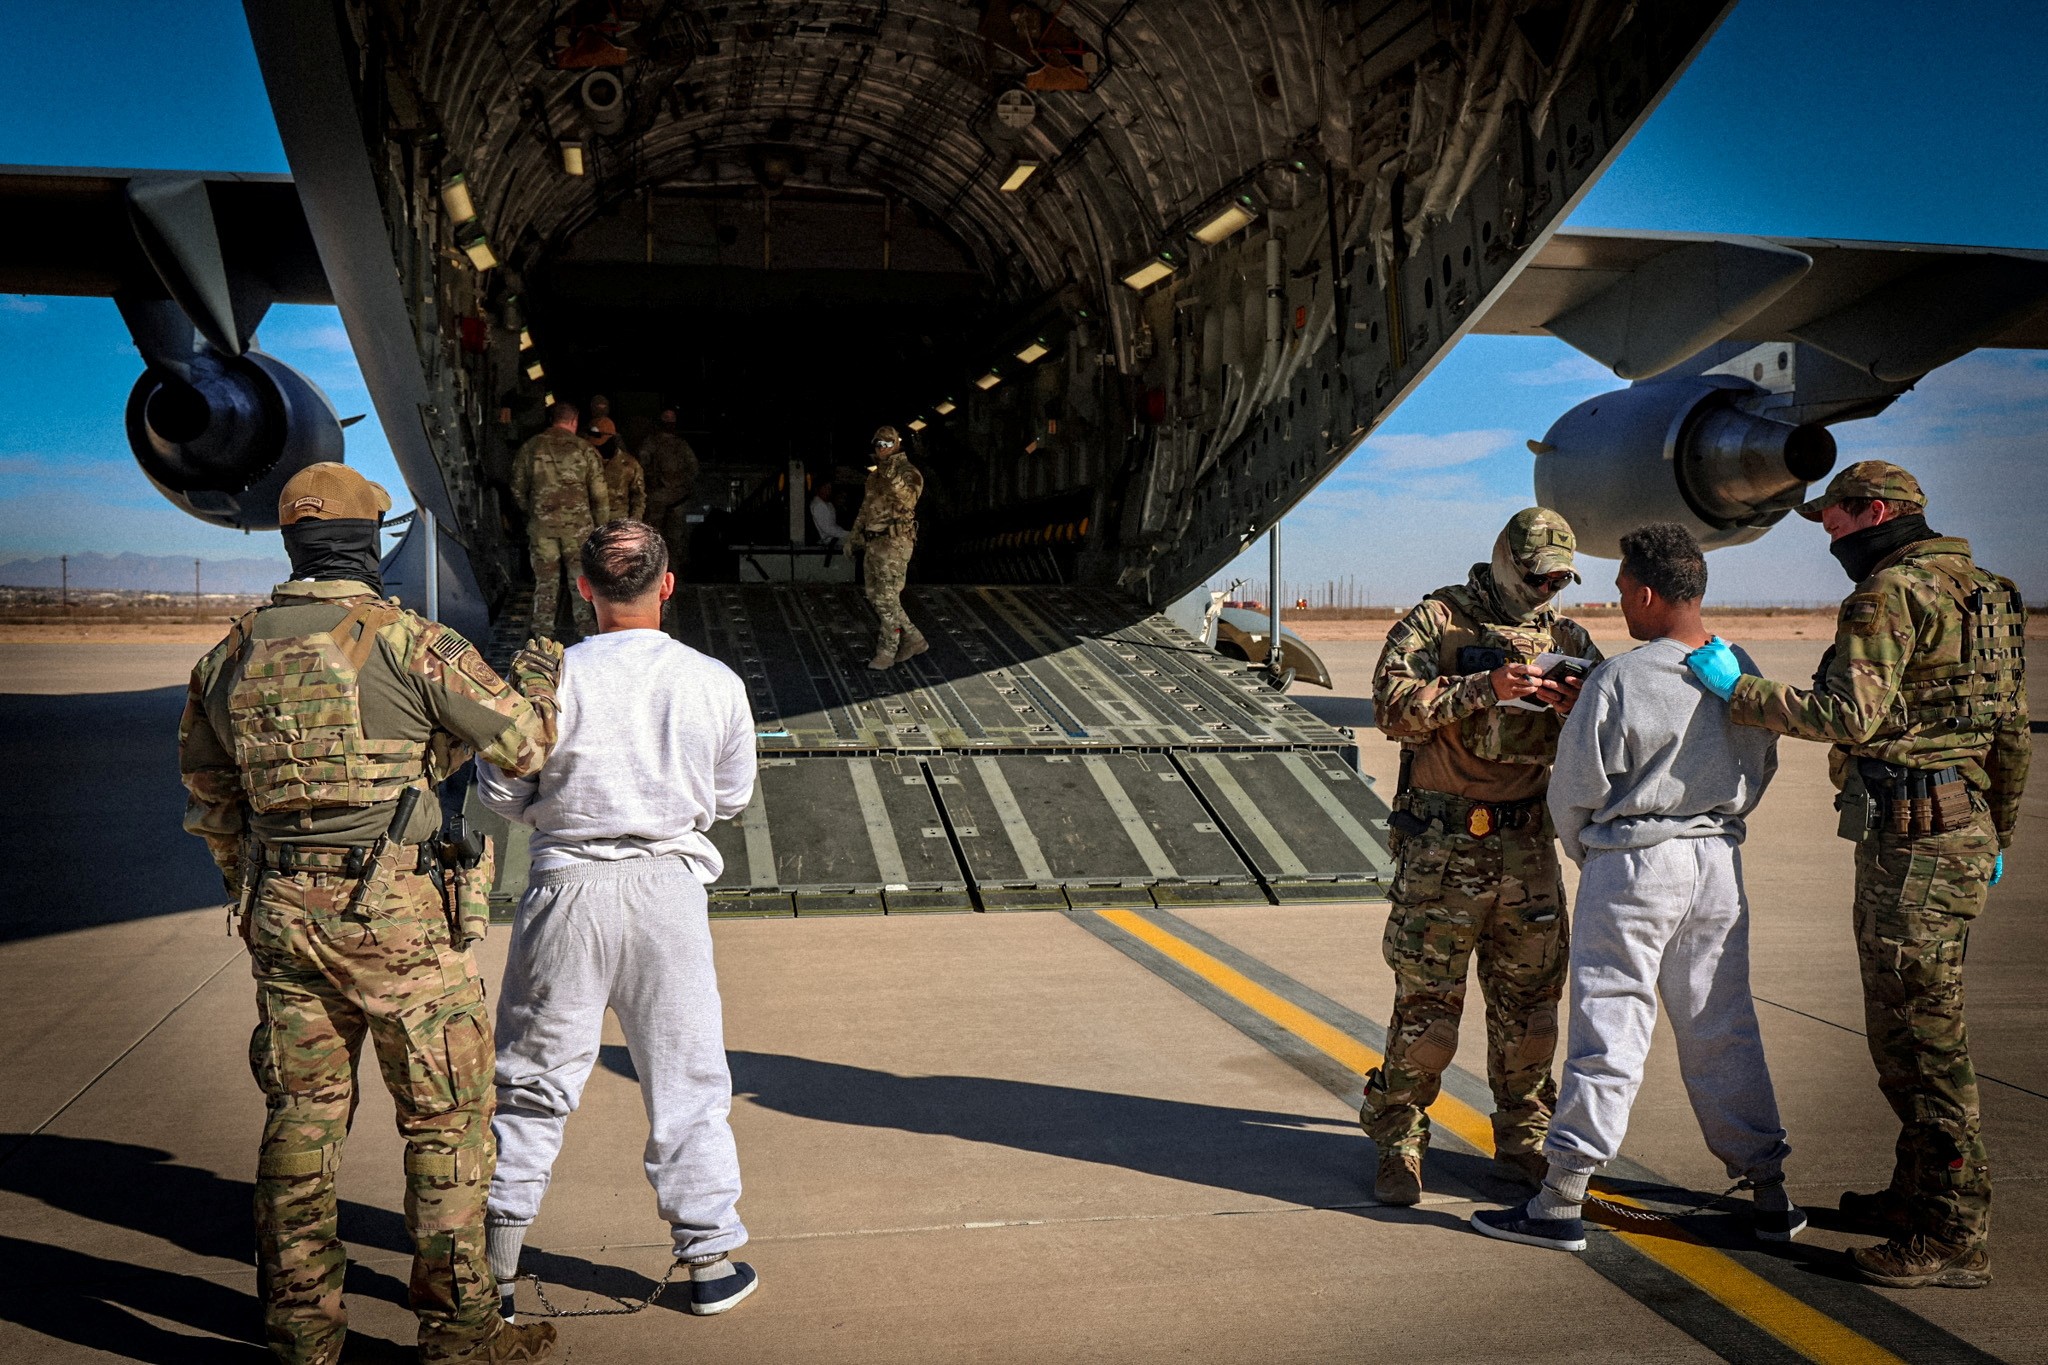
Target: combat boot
[[1521, 1168], [1920, 1260], [524, 1342], [913, 645], [884, 658], [1886, 1212], [1399, 1180]]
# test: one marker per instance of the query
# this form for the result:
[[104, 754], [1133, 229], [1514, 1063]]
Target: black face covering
[[344, 548], [1859, 552]]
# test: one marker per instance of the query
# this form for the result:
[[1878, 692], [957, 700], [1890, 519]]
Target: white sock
[[501, 1245], [1562, 1195], [707, 1268]]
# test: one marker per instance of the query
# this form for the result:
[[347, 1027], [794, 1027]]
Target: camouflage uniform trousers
[[888, 566], [1915, 899], [1501, 896], [556, 556], [323, 982]]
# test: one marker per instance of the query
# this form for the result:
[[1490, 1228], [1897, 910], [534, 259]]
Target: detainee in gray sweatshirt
[[1649, 794], [656, 742]]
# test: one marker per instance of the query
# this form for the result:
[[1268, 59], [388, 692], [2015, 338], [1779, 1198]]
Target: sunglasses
[[1554, 581]]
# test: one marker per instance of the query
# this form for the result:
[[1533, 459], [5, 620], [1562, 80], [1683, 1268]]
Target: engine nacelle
[[1677, 450], [222, 444]]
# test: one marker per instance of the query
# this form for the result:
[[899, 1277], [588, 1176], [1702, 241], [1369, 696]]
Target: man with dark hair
[[656, 743], [1924, 697], [1649, 792]]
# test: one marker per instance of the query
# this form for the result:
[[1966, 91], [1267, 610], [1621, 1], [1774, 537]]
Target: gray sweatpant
[[1669, 920], [634, 936]]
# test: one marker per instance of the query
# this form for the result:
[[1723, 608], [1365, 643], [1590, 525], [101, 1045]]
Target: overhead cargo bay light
[[1021, 170], [525, 340], [478, 249], [988, 381], [455, 198], [1238, 212], [944, 407], [534, 371], [1150, 272], [918, 424], [572, 157], [1037, 350]]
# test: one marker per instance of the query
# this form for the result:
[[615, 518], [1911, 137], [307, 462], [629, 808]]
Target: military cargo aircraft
[[1136, 276]]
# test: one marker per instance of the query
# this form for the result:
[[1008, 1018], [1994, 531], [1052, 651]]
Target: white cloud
[[1576, 368], [17, 303], [1442, 450]]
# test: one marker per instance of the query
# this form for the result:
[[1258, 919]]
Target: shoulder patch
[[478, 671], [449, 645], [1862, 613]]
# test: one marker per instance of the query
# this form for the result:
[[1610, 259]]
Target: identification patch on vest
[[1863, 613]]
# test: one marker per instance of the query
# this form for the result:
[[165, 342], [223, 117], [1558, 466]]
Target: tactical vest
[[295, 718], [1975, 691], [1499, 734]]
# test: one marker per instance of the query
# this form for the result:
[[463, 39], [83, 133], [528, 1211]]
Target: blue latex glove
[[1714, 664], [1998, 869]]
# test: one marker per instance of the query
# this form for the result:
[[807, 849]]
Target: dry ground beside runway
[[984, 1138]]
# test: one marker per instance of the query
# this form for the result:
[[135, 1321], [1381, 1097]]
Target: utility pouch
[[470, 884], [1922, 823], [1856, 807], [1480, 658], [1951, 802]]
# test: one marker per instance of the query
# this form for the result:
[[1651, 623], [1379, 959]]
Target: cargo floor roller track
[[1056, 748]]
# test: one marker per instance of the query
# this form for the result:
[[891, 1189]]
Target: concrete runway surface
[[1113, 1136]]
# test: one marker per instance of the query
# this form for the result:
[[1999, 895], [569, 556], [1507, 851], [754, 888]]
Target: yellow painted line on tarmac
[[1799, 1325]]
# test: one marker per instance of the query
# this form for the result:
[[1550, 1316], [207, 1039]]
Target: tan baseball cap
[[1542, 542], [330, 491], [1867, 479]]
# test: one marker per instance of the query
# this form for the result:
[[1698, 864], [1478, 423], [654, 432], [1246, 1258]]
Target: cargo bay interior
[[1134, 277]]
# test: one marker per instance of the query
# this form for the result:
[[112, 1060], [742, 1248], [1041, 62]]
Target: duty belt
[[1475, 818], [349, 860]]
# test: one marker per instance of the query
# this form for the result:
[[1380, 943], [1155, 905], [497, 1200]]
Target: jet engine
[[1685, 450], [221, 439]]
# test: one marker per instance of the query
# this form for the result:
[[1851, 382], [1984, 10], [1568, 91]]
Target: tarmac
[[1097, 1136]]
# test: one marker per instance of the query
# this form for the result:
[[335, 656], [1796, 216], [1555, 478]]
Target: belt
[[1475, 818], [348, 860]]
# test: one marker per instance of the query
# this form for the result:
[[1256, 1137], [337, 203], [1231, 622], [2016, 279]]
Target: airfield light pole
[[64, 581], [195, 584]]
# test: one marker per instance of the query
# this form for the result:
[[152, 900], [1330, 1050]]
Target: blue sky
[[1845, 118]]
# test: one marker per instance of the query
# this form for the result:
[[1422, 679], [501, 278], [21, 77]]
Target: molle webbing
[[295, 715], [1982, 687]]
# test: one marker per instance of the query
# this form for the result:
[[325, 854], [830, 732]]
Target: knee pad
[[1539, 1037], [298, 1163], [1433, 1051]]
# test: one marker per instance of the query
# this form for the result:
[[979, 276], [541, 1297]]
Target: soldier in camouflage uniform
[[671, 468], [1923, 696], [558, 480], [301, 731], [1477, 861], [887, 528], [623, 479]]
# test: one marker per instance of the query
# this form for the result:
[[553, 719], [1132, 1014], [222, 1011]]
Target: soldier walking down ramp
[[310, 736], [887, 528], [624, 481], [1923, 696], [558, 480], [670, 466], [1477, 863]]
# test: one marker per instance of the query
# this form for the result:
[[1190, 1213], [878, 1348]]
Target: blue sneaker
[[1516, 1225], [722, 1295], [1779, 1225]]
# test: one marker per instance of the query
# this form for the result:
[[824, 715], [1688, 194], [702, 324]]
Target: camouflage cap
[[888, 436], [1542, 542], [1866, 479], [330, 491]]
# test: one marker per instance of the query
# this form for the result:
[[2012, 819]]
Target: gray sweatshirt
[[656, 742], [1648, 754]]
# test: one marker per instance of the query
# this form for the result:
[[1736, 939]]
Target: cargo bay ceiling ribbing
[[1391, 164]]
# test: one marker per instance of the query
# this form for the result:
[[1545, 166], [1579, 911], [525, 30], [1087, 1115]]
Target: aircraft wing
[[75, 230], [1641, 302]]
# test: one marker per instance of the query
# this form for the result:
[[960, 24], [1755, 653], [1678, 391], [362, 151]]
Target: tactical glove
[[537, 669], [1714, 664], [1998, 869]]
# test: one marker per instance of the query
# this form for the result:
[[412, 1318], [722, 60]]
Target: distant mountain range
[[145, 573]]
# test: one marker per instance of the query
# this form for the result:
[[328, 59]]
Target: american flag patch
[[449, 646]]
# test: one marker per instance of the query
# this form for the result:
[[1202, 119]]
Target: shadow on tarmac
[[100, 1303], [98, 839]]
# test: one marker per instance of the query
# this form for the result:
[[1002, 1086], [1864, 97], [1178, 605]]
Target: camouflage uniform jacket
[[1465, 743], [625, 485], [308, 720], [558, 479], [671, 468], [889, 505], [1917, 678]]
